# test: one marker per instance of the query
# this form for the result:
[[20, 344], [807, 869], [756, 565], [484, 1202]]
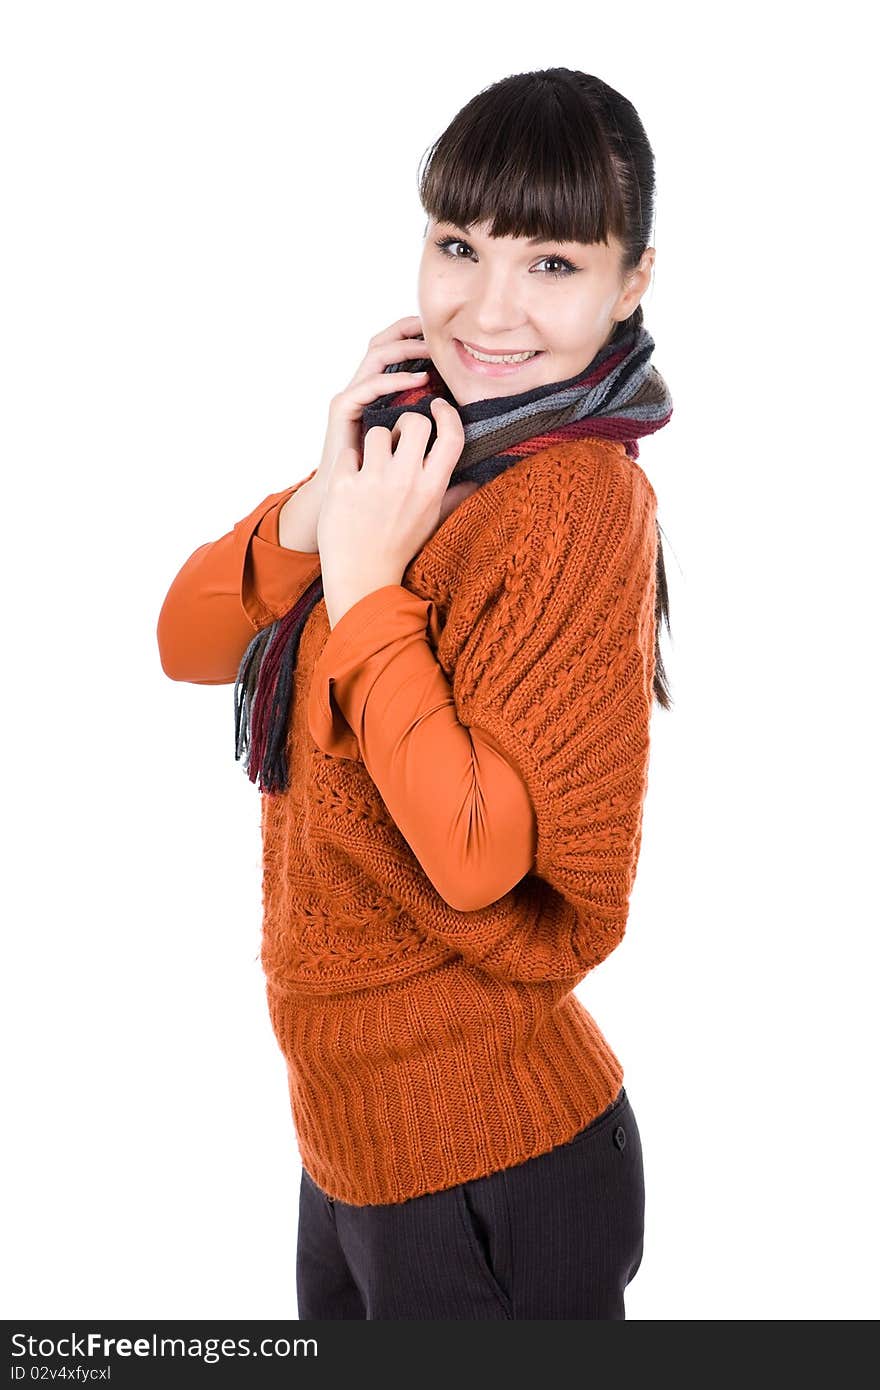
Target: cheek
[[568, 321], [572, 329], [437, 301]]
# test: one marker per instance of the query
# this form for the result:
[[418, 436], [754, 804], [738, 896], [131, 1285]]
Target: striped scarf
[[620, 395]]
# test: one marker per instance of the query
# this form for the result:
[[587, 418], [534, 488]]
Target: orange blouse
[[377, 694]]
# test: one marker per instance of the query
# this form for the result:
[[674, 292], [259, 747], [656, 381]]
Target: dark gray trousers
[[559, 1236]]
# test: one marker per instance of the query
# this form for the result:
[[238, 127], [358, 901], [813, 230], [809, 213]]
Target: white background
[[208, 210]]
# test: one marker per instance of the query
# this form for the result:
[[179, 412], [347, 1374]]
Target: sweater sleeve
[[227, 590], [379, 693], [558, 668]]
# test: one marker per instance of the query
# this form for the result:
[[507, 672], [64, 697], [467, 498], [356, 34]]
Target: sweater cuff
[[273, 576], [365, 639]]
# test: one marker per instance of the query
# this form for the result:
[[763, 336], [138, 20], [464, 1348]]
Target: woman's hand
[[400, 341], [374, 518]]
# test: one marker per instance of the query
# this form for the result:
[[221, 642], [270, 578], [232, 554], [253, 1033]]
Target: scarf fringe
[[262, 695]]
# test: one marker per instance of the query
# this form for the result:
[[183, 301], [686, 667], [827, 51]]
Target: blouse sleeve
[[227, 590], [379, 693]]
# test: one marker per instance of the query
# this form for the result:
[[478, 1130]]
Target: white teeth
[[508, 357]]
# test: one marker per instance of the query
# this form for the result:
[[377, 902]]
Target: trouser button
[[620, 1136]]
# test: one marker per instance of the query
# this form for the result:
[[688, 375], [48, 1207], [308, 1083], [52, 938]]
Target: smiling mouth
[[499, 358]]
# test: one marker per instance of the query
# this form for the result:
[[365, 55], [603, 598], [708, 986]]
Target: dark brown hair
[[558, 154]]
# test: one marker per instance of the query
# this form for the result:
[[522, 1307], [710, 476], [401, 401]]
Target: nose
[[495, 309]]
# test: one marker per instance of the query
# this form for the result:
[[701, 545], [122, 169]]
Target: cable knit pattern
[[428, 1046]]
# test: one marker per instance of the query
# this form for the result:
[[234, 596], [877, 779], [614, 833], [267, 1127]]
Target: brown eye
[[568, 268], [445, 242]]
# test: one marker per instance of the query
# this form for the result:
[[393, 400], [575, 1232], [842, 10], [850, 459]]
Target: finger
[[446, 449], [409, 327], [370, 388], [397, 350], [411, 430], [377, 447], [347, 460], [402, 350]]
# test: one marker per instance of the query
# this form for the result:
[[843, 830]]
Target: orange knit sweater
[[429, 1044]]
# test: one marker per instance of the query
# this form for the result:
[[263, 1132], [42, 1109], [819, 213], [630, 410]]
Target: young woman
[[444, 646]]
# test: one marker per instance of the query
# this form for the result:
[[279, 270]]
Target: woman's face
[[503, 295]]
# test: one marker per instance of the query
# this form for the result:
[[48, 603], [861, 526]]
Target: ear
[[637, 283]]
